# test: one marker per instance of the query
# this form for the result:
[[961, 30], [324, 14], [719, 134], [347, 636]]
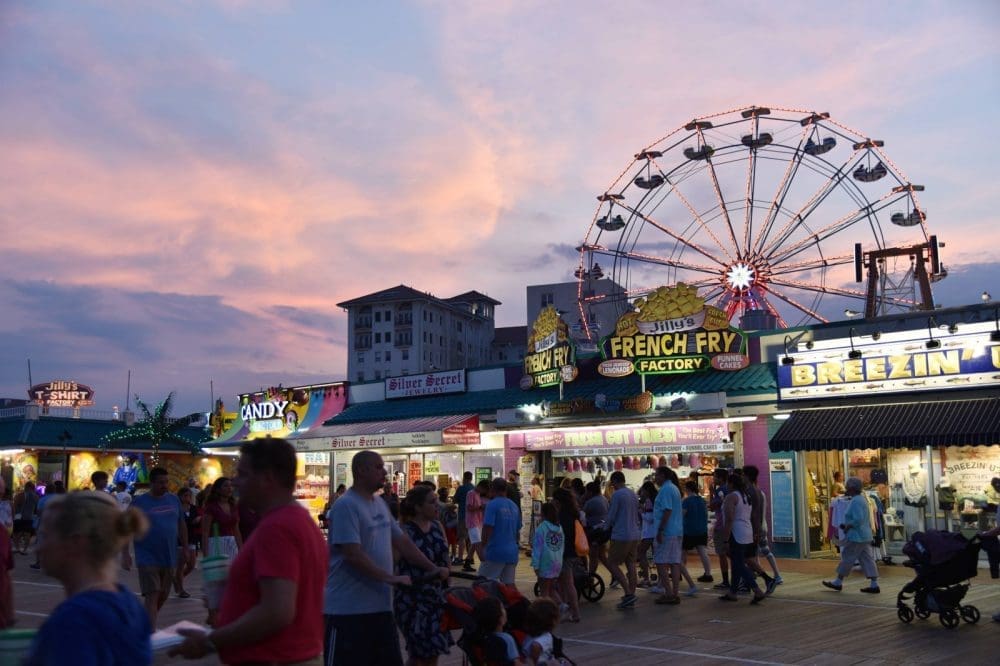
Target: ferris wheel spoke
[[675, 189], [769, 307], [810, 265], [833, 180], [661, 261], [718, 193], [837, 226], [783, 189], [677, 237], [819, 289], [749, 194], [798, 306]]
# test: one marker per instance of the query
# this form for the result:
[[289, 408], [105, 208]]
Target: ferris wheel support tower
[[881, 290]]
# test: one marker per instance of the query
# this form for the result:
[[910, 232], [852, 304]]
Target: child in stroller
[[485, 629], [588, 585], [942, 561]]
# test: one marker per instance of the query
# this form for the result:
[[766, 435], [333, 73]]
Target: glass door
[[824, 481]]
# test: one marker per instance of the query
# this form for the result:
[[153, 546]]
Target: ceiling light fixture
[[786, 359], [854, 354], [931, 342]]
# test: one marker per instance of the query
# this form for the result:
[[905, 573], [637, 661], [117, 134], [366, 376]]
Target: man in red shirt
[[272, 608]]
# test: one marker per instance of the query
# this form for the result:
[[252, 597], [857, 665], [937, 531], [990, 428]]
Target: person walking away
[[595, 510], [547, 552], [57, 488], [669, 521], [739, 531], [419, 607], [647, 530], [187, 557], [7, 617], [357, 604], [100, 621], [501, 525], [623, 522], [475, 510], [448, 515], [858, 541], [569, 516], [156, 552], [463, 530], [514, 495], [25, 504], [720, 534], [271, 610], [758, 519], [696, 529]]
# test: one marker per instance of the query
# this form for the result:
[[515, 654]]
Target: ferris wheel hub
[[741, 275]]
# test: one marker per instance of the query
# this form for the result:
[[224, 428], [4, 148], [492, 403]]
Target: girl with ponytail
[[100, 620]]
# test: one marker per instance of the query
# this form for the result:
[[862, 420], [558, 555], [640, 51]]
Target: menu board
[[416, 473], [782, 501]]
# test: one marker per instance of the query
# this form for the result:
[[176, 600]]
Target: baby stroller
[[943, 562], [588, 585], [479, 650]]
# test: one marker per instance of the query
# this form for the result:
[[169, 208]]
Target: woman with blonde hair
[[100, 621]]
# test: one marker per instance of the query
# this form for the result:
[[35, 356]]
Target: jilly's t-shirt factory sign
[[672, 331], [551, 356]]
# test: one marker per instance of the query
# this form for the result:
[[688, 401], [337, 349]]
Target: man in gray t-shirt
[[358, 596]]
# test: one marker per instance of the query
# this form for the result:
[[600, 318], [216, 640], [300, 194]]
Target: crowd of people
[[294, 596]]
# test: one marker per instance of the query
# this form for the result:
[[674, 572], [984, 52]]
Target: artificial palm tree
[[155, 427]]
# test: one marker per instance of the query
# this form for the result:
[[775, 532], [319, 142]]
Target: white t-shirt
[[544, 641], [124, 499]]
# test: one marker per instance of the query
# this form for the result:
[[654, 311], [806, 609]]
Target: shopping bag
[[582, 547]]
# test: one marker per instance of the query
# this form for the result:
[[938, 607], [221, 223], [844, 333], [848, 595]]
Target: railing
[[12, 412]]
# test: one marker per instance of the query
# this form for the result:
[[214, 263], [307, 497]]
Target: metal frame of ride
[[808, 188]]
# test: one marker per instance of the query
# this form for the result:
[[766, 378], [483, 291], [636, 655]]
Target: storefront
[[914, 414], [283, 412], [438, 449]]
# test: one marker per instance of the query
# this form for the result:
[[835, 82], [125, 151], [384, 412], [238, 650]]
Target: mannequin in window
[[946, 500], [914, 497]]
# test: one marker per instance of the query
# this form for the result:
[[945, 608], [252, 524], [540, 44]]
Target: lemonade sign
[[551, 355], [672, 331]]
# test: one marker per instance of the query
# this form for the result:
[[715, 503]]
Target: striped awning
[[910, 425], [461, 429]]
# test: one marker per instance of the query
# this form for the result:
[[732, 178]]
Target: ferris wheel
[[764, 210]]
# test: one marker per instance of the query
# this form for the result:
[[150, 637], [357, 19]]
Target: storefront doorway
[[824, 480]]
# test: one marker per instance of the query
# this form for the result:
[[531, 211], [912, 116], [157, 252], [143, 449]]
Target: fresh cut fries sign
[[672, 331]]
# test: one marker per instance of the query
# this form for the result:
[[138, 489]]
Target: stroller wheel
[[949, 618], [905, 614], [970, 614], [593, 588], [922, 613]]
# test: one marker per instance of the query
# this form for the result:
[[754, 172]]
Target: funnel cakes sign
[[551, 355], [672, 331]]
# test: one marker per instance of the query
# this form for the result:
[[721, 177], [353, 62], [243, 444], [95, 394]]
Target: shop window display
[[312, 481]]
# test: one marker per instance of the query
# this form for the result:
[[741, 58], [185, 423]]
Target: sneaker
[[468, 568], [707, 578], [769, 588], [664, 600], [721, 586], [743, 589], [871, 590], [657, 589], [455, 561], [778, 580], [691, 592], [643, 583], [628, 601], [614, 584], [833, 585]]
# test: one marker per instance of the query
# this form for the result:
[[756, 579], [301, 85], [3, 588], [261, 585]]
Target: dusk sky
[[187, 188]]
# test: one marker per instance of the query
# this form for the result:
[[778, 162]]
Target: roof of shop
[[429, 423], [78, 434], [472, 297], [752, 380], [900, 426]]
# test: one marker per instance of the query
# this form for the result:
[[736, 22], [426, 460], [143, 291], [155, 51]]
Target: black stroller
[[588, 585], [944, 562]]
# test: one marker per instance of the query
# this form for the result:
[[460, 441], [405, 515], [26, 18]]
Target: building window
[[388, 338], [458, 345], [378, 357], [440, 341], [361, 358], [388, 356], [548, 298], [363, 341], [378, 338], [406, 354], [388, 316], [378, 375], [361, 375], [378, 315], [458, 326]]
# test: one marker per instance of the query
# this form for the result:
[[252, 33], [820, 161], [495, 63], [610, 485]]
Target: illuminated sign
[[672, 331], [960, 362], [551, 356], [62, 393], [433, 383], [598, 438]]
